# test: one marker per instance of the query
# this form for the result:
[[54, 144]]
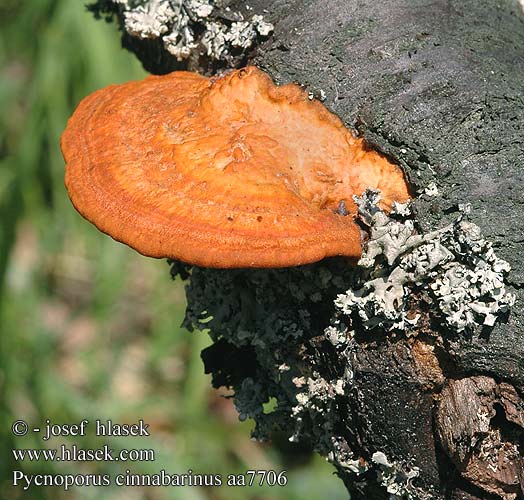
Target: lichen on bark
[[188, 33], [449, 277]]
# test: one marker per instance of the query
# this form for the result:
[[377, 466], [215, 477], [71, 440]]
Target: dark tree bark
[[439, 87]]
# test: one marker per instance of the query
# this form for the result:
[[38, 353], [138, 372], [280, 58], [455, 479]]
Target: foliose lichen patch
[[394, 476], [269, 343], [188, 27], [452, 275]]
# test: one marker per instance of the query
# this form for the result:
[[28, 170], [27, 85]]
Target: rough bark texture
[[438, 86]]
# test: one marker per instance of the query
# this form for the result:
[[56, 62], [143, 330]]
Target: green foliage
[[88, 328]]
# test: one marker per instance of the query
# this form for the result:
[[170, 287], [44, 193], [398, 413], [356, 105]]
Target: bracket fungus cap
[[230, 171]]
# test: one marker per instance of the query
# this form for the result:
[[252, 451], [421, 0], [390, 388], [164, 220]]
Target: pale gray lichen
[[454, 268], [395, 477], [431, 189], [318, 94], [188, 27], [149, 20]]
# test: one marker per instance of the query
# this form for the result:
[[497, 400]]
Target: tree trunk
[[438, 86]]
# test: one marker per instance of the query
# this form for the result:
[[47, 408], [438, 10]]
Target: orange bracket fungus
[[225, 172]]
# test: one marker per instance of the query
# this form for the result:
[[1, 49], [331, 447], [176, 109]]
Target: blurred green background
[[88, 328]]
